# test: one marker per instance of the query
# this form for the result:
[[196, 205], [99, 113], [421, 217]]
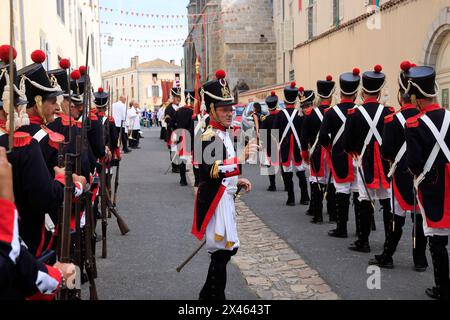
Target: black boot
[[197, 177], [214, 288], [317, 202], [366, 214], [357, 208], [343, 204], [439, 254], [419, 256], [272, 186], [183, 180], [390, 245], [303, 184], [331, 202], [387, 216], [290, 188]]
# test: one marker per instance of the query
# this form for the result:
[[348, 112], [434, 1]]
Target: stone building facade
[[234, 35], [320, 37], [147, 82]]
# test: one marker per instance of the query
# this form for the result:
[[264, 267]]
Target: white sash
[[402, 150], [373, 131], [320, 116], [104, 120], [40, 135], [342, 128], [440, 145], [290, 125]]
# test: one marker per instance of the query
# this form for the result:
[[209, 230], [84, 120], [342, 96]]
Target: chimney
[[134, 62], [172, 61]]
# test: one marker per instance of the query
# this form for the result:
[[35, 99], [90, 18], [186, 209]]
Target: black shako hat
[[405, 66], [349, 82], [217, 93], [306, 97], [291, 93], [325, 89], [421, 82], [373, 81], [37, 83], [101, 98], [59, 79], [175, 92], [272, 101], [4, 79]]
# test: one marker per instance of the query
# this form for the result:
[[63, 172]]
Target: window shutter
[[288, 35]]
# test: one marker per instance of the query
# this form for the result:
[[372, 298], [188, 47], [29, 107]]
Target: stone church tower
[[234, 35]]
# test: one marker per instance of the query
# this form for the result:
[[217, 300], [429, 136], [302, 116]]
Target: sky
[[119, 55]]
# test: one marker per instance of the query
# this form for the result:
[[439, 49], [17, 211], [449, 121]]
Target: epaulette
[[65, 120], [351, 111], [308, 111], [326, 110], [208, 134], [79, 124], [54, 138], [94, 117], [111, 119], [22, 139], [263, 118], [392, 109], [389, 118], [413, 122]]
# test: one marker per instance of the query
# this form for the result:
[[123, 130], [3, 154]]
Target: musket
[[64, 234], [11, 78], [203, 242], [90, 263], [415, 218], [124, 229], [103, 206]]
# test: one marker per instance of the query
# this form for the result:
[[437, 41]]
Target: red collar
[[101, 114], [35, 120], [290, 106], [273, 112], [325, 104], [431, 107], [188, 106], [371, 100], [347, 101], [217, 125], [407, 107]]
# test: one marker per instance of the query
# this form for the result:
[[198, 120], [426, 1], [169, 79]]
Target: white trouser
[[324, 179], [375, 194], [347, 187], [221, 232]]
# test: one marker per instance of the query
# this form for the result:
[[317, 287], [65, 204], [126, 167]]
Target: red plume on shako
[[82, 70], [75, 75], [329, 78], [301, 89], [356, 71], [293, 84], [405, 66], [273, 93], [38, 56], [64, 64], [100, 90], [378, 68], [220, 74], [4, 53]]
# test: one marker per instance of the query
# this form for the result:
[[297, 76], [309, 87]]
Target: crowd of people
[[62, 145]]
